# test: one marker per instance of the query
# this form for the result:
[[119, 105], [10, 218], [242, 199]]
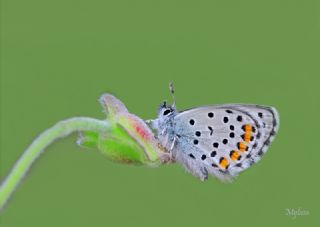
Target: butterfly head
[[165, 111], [165, 117], [166, 114]]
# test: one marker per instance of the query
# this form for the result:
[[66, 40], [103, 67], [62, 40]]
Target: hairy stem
[[59, 130]]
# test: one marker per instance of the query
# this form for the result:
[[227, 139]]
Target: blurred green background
[[57, 57]]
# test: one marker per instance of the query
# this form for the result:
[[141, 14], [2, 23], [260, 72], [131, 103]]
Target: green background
[[58, 57]]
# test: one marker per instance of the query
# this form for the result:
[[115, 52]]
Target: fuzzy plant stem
[[59, 130]]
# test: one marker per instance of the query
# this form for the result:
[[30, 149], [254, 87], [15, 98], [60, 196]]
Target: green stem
[[59, 130]]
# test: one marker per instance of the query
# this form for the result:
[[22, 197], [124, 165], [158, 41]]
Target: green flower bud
[[129, 140]]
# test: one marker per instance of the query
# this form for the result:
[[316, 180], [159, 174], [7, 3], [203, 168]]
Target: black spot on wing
[[239, 164], [225, 119], [239, 118], [213, 154], [192, 156]]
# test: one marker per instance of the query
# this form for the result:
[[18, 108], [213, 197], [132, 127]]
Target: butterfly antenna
[[171, 88]]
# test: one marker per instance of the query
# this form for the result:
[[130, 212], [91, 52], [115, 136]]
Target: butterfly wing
[[227, 139]]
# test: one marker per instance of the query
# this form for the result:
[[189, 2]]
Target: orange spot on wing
[[223, 163], [248, 128], [242, 146], [247, 135], [234, 155]]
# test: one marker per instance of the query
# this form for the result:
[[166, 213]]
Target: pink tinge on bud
[[136, 127], [140, 130], [111, 105]]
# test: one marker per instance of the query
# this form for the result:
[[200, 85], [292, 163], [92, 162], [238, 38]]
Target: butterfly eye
[[166, 112]]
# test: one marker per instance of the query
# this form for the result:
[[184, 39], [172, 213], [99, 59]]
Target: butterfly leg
[[149, 121], [174, 141]]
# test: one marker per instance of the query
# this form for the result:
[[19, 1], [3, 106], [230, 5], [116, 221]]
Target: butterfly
[[220, 140]]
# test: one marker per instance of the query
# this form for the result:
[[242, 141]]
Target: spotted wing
[[227, 138]]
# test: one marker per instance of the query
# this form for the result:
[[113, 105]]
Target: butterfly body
[[221, 140]]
